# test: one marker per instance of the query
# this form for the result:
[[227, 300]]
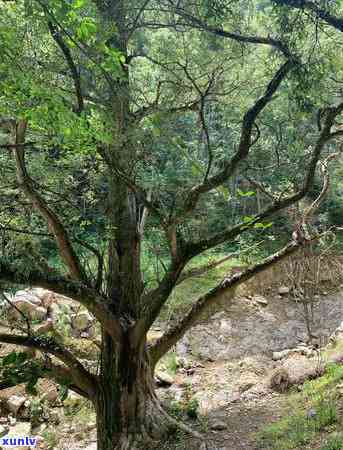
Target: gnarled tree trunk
[[129, 416]]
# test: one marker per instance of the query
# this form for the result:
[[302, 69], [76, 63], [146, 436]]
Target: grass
[[334, 442], [169, 363], [314, 412], [189, 290], [50, 439]]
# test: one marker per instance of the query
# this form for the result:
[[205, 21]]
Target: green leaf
[[225, 192], [263, 225], [86, 29], [245, 194], [248, 219], [79, 4]]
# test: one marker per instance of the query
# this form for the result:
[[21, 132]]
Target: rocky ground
[[227, 377]]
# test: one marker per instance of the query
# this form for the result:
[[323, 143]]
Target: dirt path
[[230, 425]]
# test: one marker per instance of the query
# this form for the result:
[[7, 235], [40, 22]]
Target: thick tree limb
[[43, 369], [85, 379], [79, 292], [334, 21], [65, 247], [227, 287]]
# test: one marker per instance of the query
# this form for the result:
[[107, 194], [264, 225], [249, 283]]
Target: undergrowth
[[314, 412]]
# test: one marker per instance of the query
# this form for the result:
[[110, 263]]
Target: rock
[[27, 304], [283, 290], [280, 380], [45, 327], [308, 352], [89, 333], [38, 313], [56, 311], [184, 363], [51, 395], [277, 356], [225, 326], [311, 413], [28, 296], [260, 300], [15, 402], [182, 348], [218, 425], [82, 321], [90, 426], [163, 379]]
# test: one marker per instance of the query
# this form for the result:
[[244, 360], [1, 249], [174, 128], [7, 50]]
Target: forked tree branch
[[244, 145], [325, 136]]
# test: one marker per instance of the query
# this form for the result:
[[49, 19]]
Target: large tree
[[121, 122]]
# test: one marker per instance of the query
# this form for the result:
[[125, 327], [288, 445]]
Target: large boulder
[[27, 303]]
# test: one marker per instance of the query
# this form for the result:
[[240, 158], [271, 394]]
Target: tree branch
[[156, 299], [334, 21], [227, 287], [245, 141], [325, 136], [259, 40], [48, 345], [65, 247], [68, 57], [79, 292]]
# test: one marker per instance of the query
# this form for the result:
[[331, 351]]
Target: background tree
[[128, 126]]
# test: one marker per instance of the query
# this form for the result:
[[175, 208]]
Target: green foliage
[[192, 408], [334, 442], [170, 362], [17, 367], [312, 412], [50, 438]]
